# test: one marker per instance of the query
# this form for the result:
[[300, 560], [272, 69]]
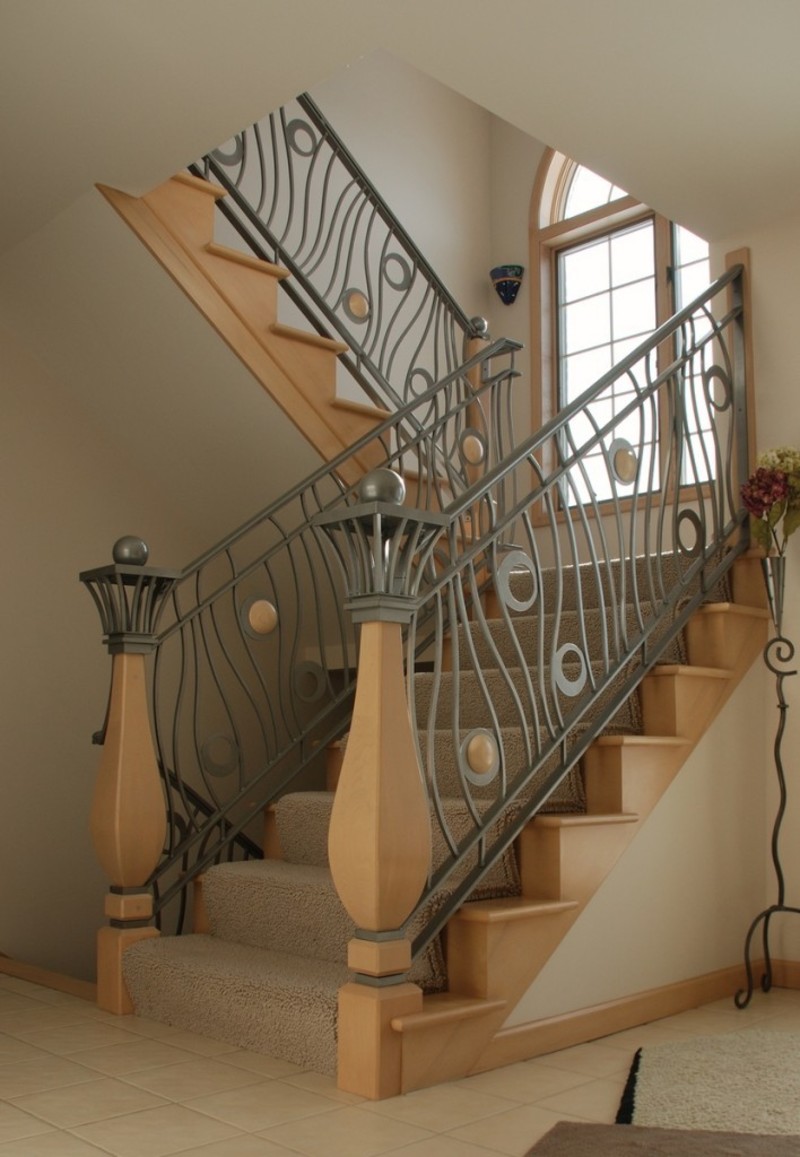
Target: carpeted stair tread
[[295, 909], [269, 1002], [309, 812], [531, 637], [283, 907], [515, 698]]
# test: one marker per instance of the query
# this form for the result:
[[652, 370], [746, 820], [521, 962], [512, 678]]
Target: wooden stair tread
[[641, 741], [303, 335], [248, 259], [686, 671], [510, 908], [360, 408], [445, 1008], [584, 821], [200, 184], [733, 609]]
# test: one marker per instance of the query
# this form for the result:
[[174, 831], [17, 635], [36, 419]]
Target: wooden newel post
[[379, 844], [128, 817]]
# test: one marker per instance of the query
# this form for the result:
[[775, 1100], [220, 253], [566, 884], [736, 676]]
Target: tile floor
[[76, 1082]]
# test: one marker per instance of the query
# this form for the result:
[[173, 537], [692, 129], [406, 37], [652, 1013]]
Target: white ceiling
[[694, 105]]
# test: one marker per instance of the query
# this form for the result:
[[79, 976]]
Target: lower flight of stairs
[[266, 973]]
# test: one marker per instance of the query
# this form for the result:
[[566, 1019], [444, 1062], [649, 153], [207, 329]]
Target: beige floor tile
[[593, 1060], [194, 1043], [706, 1022], [154, 1132], [68, 1039], [632, 1039], [12, 1049], [510, 1133], [197, 1078], [241, 1146], [262, 1064], [143, 1026], [14, 1000], [39, 1075], [17, 1021], [52, 1145], [441, 1108], [119, 1060], [349, 1132], [325, 1086], [255, 1108], [14, 1124], [442, 1146], [527, 1082], [595, 1101], [93, 1101]]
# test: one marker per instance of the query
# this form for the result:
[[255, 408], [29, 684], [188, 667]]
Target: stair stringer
[[237, 294], [496, 948]]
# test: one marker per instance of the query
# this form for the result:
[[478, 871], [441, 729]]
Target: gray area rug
[[740, 1082], [573, 1139]]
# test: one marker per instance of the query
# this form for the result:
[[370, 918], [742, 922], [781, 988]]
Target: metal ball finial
[[479, 327], [130, 551], [382, 485]]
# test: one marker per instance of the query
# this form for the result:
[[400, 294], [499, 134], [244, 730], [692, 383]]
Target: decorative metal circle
[[515, 561], [258, 617], [301, 137], [624, 463], [719, 375], [382, 485], [695, 547], [309, 682], [356, 305], [130, 551], [234, 156], [472, 445], [219, 755], [418, 376], [396, 271], [570, 686], [479, 756]]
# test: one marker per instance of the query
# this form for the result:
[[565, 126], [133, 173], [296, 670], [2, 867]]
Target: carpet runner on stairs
[[267, 974]]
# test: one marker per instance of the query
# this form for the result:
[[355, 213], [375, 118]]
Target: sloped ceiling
[[691, 105]]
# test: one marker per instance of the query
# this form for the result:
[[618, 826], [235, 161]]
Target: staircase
[[266, 971], [536, 667]]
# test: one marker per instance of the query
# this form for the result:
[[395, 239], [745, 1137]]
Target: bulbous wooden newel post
[[379, 844], [128, 818]]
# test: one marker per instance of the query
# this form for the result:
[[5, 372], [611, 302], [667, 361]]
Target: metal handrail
[[356, 272], [238, 714], [640, 513]]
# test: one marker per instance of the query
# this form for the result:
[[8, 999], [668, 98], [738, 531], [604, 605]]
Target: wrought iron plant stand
[[778, 653]]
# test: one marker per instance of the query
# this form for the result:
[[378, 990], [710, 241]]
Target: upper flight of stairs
[[238, 294], [270, 946]]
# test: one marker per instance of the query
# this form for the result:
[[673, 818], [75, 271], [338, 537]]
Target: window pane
[[632, 256], [583, 370], [634, 309], [587, 191], [585, 270], [689, 247], [586, 323]]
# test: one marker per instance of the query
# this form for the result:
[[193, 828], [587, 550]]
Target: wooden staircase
[[238, 294], [495, 948]]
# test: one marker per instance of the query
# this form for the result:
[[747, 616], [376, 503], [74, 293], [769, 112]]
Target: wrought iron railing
[[599, 536], [298, 198], [254, 657]]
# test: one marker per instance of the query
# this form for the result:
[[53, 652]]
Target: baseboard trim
[[47, 979], [523, 1041]]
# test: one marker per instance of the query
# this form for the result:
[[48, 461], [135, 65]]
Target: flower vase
[[774, 569]]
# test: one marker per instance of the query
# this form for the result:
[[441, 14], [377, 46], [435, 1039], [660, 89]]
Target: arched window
[[610, 271]]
